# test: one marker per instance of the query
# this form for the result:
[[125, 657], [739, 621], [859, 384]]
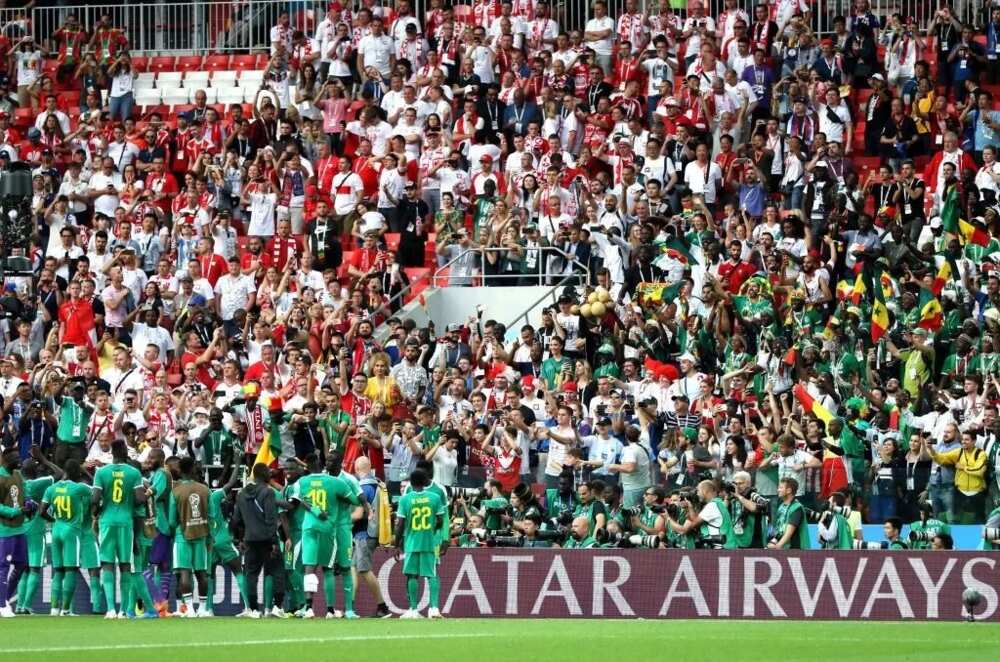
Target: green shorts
[[293, 557], [345, 547], [420, 564], [89, 559], [66, 547], [36, 549], [224, 552], [191, 554], [318, 548], [116, 544], [141, 559]]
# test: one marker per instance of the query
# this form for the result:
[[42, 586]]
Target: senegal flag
[[947, 271], [950, 210], [858, 293], [658, 292], [931, 314], [880, 316], [678, 245], [270, 449], [810, 405], [972, 233]]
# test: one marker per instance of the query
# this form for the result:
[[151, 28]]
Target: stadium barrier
[[744, 584]]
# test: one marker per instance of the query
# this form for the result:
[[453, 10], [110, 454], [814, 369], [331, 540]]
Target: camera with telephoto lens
[[931, 534], [505, 541], [824, 515], [717, 541], [470, 494], [562, 520], [871, 546], [631, 511], [989, 533], [729, 487]]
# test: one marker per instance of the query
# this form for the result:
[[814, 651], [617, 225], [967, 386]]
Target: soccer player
[[223, 550], [117, 488], [188, 510], [419, 519], [144, 525], [344, 540], [320, 495], [13, 511], [162, 473], [66, 503], [34, 489], [293, 516]]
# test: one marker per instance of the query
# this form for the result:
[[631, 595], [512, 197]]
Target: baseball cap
[[604, 422], [877, 76], [454, 327], [569, 387], [34, 134], [485, 158], [197, 300], [687, 356]]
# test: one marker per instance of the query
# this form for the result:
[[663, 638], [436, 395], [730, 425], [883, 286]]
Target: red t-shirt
[[77, 318], [203, 375]]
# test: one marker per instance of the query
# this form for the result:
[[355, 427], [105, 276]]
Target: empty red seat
[[243, 62], [392, 240], [140, 62], [162, 63], [189, 63], [216, 62]]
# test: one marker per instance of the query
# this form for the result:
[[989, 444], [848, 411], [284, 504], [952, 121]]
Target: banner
[[613, 583]]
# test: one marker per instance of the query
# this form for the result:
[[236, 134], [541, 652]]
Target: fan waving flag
[[678, 245], [858, 293], [931, 314], [947, 271], [880, 316], [810, 405]]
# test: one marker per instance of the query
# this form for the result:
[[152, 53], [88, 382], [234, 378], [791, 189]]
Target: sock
[[95, 594], [435, 585], [13, 581], [268, 593], [412, 586], [22, 588], [108, 584], [141, 590], [153, 580], [208, 601], [330, 590], [241, 581], [128, 597], [296, 592], [31, 583], [348, 590], [57, 582], [68, 588], [163, 579]]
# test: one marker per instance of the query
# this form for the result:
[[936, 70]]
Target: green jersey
[[344, 513], [117, 484], [218, 526], [69, 501], [73, 421], [419, 512], [35, 489], [162, 483], [296, 515], [321, 493], [445, 532], [334, 436]]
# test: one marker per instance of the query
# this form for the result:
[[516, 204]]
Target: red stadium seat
[[181, 108], [392, 240], [140, 63], [262, 60], [162, 63], [216, 62], [189, 63], [243, 62]]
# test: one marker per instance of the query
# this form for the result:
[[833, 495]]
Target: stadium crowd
[[776, 253]]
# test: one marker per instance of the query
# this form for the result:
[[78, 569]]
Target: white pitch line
[[241, 642]]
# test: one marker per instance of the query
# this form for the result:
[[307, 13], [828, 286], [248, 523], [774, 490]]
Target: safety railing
[[220, 26], [571, 269]]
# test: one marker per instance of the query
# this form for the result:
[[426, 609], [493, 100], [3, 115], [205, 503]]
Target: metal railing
[[580, 271], [222, 26]]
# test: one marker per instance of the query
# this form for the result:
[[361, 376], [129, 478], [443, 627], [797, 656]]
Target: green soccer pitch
[[485, 640]]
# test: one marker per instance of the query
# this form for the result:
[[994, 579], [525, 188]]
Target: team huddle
[[303, 526]]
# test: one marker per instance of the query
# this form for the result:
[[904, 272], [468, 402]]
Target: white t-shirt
[[106, 204], [143, 335], [262, 214], [640, 477], [347, 190], [234, 293], [601, 46], [375, 52], [834, 130], [445, 466], [701, 182], [29, 67]]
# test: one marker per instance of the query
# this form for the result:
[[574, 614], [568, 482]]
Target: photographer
[[893, 527], [494, 506], [748, 512], [713, 524], [591, 507], [790, 531], [650, 518], [580, 535], [927, 528], [835, 531]]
